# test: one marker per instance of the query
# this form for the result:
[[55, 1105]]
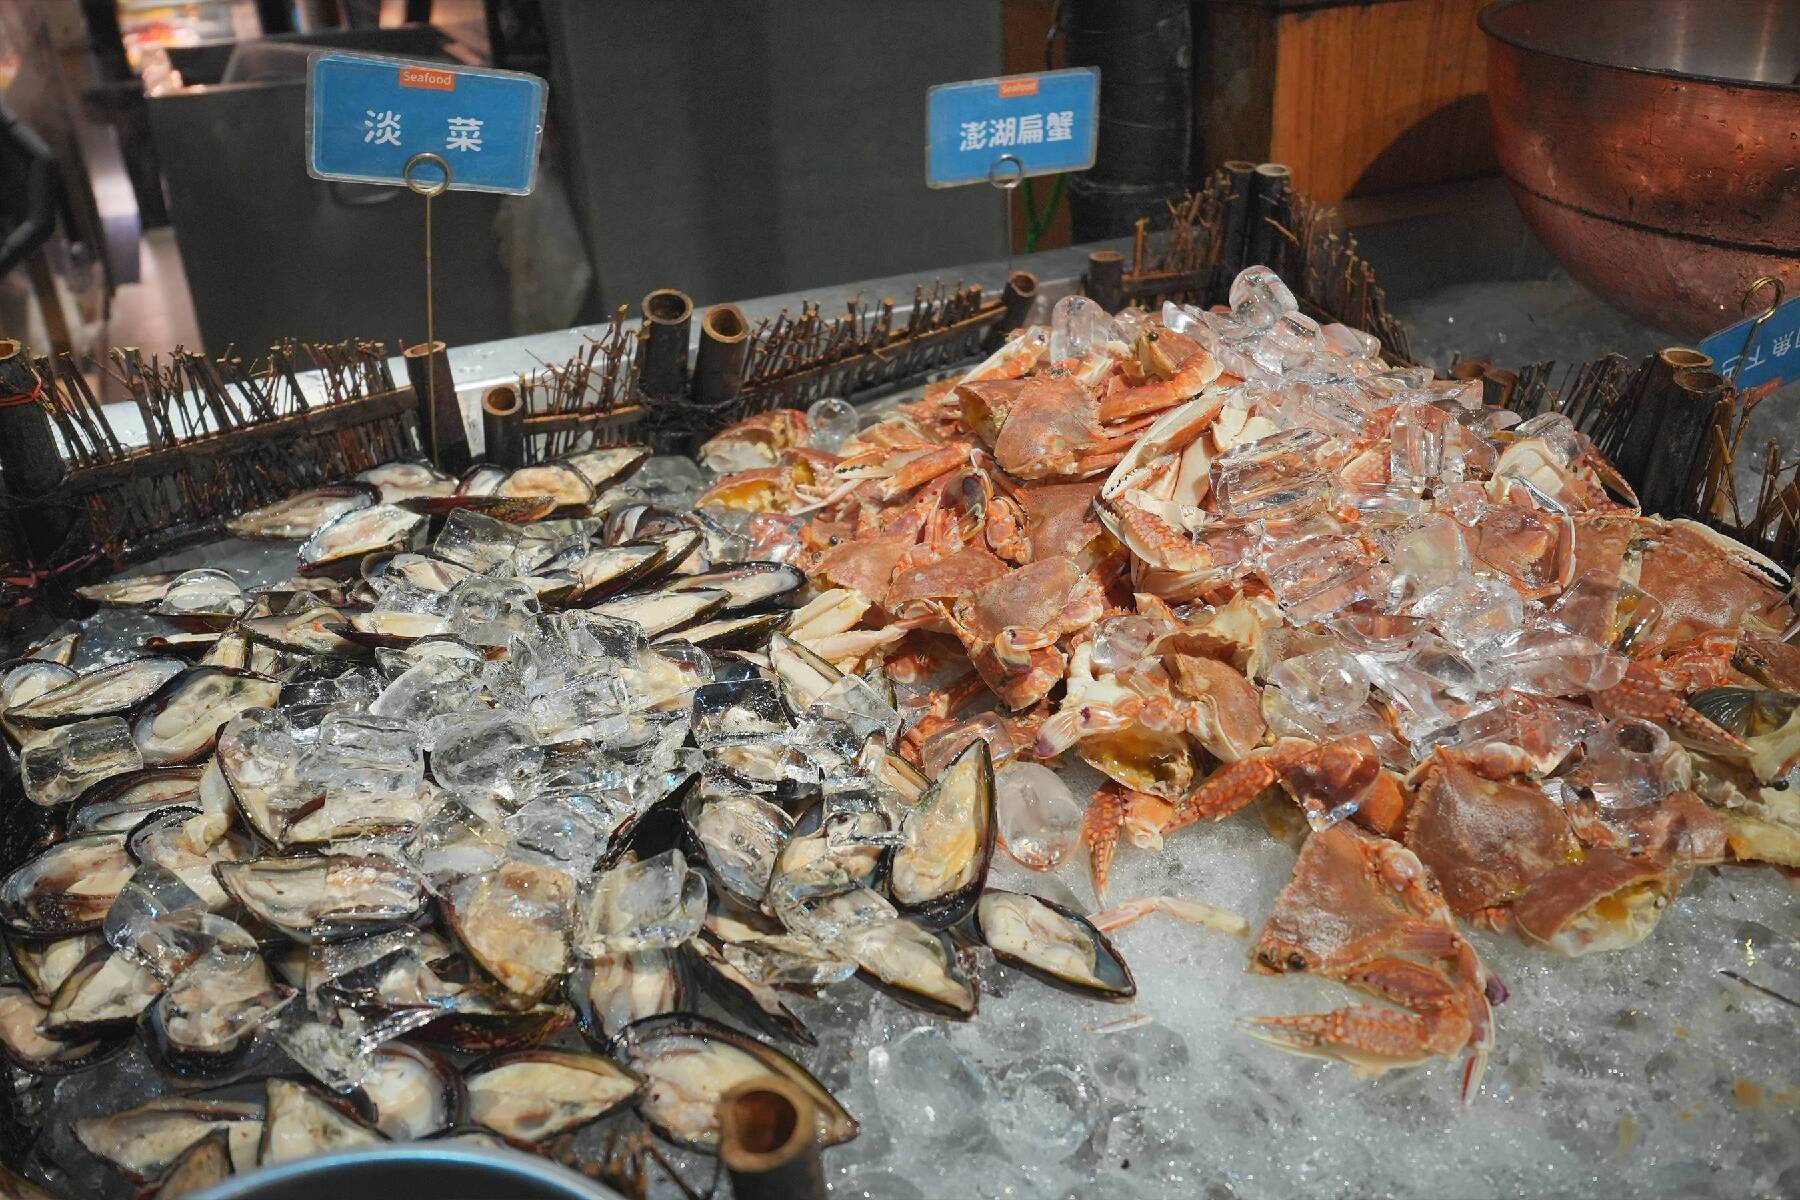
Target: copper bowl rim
[[1486, 20]]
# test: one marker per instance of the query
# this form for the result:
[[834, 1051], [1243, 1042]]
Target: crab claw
[[1100, 829], [1371, 1040]]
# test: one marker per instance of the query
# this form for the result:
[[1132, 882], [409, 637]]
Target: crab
[[1362, 910], [756, 441], [1567, 879], [1010, 627]]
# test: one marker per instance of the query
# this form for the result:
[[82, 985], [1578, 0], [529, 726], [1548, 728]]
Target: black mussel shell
[[29, 1049], [117, 804], [395, 1073], [664, 1103], [935, 892], [1053, 943], [755, 1004], [528, 1095], [181, 722], [104, 995], [610, 992]]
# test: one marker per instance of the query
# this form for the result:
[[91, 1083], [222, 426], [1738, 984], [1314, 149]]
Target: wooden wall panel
[[1372, 98]]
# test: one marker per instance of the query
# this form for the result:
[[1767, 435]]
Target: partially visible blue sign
[[1047, 122], [367, 117], [1774, 355]]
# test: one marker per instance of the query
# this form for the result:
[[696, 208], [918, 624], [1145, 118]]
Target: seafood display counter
[[1182, 754]]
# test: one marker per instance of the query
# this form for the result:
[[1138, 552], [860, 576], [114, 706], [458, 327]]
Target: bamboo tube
[[719, 367], [503, 426], [1105, 281], [1656, 396], [663, 369], [1679, 446], [1231, 240], [33, 467], [769, 1141], [440, 413], [1017, 298], [1268, 202]]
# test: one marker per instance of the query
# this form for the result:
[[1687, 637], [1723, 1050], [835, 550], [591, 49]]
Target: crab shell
[[1485, 840], [756, 441], [1607, 901]]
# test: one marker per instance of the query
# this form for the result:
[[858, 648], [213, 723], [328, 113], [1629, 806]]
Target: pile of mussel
[[594, 896]]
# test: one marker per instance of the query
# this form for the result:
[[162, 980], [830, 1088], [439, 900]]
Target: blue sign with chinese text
[[367, 117], [1046, 122], [1774, 355]]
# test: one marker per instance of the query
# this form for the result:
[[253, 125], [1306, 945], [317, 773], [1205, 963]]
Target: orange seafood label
[[425, 77]]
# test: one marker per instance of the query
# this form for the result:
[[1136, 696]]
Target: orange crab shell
[[1485, 840]]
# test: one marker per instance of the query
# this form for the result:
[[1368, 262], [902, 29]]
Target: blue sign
[[994, 130], [368, 117], [1774, 355]]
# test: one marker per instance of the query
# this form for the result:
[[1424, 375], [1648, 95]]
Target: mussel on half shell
[[67, 888], [613, 990], [28, 1048], [103, 692], [300, 1120], [182, 720], [304, 513], [688, 1062], [1053, 943], [415, 1092], [529, 1095], [338, 549], [143, 1142], [938, 872], [515, 922], [324, 896], [205, 1163]]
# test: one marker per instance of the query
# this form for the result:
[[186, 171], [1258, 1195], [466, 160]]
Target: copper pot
[[1654, 145]]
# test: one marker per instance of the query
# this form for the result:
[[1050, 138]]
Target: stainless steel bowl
[[416, 1169], [1654, 145]]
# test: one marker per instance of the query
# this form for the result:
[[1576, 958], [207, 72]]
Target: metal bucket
[[1651, 145], [414, 1169]]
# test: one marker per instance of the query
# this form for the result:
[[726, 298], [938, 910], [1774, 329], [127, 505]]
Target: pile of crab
[[1218, 553]]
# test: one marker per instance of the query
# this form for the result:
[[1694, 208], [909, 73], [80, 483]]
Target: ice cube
[[1327, 685], [1078, 327], [487, 753], [461, 838], [364, 756], [1551, 662], [1630, 763], [1040, 819], [643, 906], [736, 711], [1428, 551], [1416, 445], [71, 758], [487, 612], [1601, 606], [1276, 476], [1259, 298], [429, 691], [564, 829], [203, 592], [478, 542], [832, 422], [591, 706], [853, 702], [1122, 642], [1472, 611]]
